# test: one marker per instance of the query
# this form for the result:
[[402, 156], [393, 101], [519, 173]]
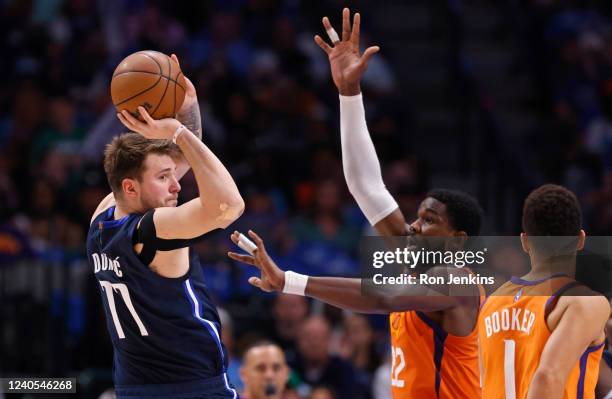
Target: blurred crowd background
[[493, 98]]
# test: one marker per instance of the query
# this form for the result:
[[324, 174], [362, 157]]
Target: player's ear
[[525, 242], [130, 188], [457, 241], [581, 240]]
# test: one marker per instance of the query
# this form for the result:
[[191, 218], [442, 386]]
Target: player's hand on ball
[[191, 96], [272, 277], [150, 128], [347, 65]]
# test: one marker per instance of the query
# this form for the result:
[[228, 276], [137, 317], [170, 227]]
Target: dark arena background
[[491, 97]]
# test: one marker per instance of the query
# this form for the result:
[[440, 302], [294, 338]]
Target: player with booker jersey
[[163, 325], [542, 335], [434, 338]]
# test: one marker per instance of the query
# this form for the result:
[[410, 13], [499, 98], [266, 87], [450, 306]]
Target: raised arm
[[345, 293], [219, 203], [581, 324], [359, 160], [190, 116]]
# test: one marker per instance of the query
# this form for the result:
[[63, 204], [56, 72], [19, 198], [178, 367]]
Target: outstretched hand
[[272, 277], [347, 65]]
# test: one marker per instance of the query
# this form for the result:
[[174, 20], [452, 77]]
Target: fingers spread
[[346, 24], [174, 57], [255, 281], [324, 46], [125, 122], [258, 241], [145, 115], [242, 258], [326, 24], [370, 51], [134, 124], [355, 32]]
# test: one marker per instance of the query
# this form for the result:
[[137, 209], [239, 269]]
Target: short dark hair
[[125, 155], [552, 210], [464, 212], [258, 344]]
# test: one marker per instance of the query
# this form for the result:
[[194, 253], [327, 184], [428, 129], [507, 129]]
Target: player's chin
[[172, 202]]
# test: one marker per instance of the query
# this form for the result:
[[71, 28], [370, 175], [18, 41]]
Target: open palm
[[347, 65], [272, 277]]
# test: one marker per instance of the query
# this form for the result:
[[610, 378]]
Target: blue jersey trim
[[210, 326], [109, 224]]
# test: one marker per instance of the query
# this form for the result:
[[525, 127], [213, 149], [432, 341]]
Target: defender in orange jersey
[[542, 335], [434, 338]]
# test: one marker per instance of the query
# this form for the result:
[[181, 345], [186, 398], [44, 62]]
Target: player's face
[[264, 372], [159, 186], [432, 219]]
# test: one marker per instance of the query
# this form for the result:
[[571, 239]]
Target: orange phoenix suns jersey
[[429, 363], [512, 332]]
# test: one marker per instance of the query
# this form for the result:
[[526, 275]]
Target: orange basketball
[[151, 79]]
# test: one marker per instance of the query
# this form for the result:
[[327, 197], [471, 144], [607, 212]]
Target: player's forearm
[[192, 118], [360, 162], [546, 384], [216, 186], [344, 293]]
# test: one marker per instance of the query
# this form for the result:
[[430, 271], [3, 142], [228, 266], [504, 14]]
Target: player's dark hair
[[260, 343], [125, 155], [464, 212], [552, 210]]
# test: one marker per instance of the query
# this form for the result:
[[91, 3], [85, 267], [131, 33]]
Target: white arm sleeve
[[360, 163]]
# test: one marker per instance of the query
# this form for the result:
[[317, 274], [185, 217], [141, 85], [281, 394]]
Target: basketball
[[151, 79]]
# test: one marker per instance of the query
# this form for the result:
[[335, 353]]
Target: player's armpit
[[580, 325], [194, 218], [393, 224]]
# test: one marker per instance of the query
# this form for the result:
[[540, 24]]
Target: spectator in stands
[[264, 371], [316, 366]]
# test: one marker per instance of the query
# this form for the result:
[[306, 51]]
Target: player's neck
[[543, 268], [122, 209]]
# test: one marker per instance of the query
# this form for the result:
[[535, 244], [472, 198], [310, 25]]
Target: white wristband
[[179, 130], [609, 395], [295, 283]]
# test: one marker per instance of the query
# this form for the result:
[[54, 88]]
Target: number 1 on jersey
[[109, 289], [509, 351]]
